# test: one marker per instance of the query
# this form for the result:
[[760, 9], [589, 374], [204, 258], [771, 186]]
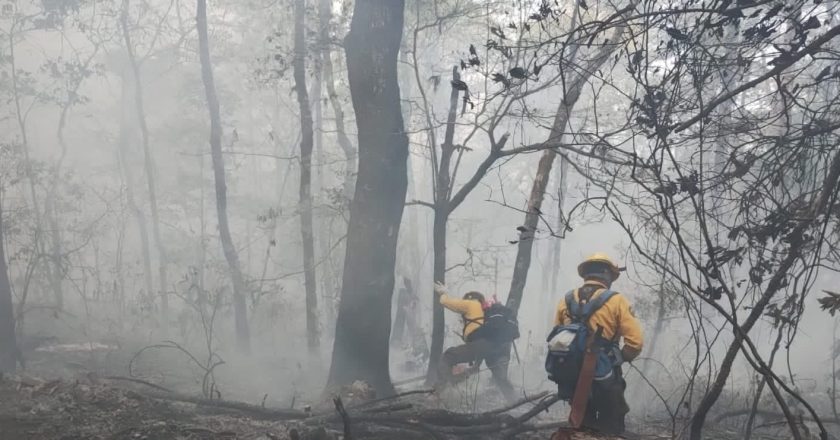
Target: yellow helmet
[[599, 259]]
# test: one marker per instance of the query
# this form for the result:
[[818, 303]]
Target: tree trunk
[[149, 167], [128, 174], [8, 341], [562, 176], [239, 309], [341, 133], [439, 275], [325, 223], [398, 331], [535, 200], [532, 218], [443, 189], [348, 179], [363, 326], [305, 205]]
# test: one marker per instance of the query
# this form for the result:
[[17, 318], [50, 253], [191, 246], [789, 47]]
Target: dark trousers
[[497, 357], [606, 408]]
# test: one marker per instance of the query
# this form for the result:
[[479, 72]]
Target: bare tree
[[239, 287], [363, 325]]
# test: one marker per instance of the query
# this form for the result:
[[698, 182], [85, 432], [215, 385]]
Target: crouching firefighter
[[489, 329], [584, 356]]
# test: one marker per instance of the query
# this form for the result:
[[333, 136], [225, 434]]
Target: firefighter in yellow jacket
[[607, 407], [475, 349]]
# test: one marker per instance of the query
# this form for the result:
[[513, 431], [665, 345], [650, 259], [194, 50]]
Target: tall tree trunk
[[412, 249], [240, 313], [532, 218], [130, 191], [363, 326], [439, 275], [344, 142], [562, 176], [535, 199], [326, 232], [402, 310], [8, 341], [305, 203], [551, 286], [347, 148], [442, 208], [149, 166]]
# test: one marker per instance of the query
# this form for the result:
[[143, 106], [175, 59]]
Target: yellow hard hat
[[599, 258]]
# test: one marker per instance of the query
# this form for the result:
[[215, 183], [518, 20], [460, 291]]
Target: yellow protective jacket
[[471, 312], [615, 317]]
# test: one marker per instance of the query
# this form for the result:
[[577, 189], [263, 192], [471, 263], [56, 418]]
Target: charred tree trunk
[[149, 166], [363, 326], [535, 199], [439, 274], [239, 309], [442, 207], [562, 177], [305, 203], [532, 218], [8, 341]]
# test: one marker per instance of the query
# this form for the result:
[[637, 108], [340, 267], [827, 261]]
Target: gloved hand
[[440, 289]]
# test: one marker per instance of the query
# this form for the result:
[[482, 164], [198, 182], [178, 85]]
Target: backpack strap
[[596, 303], [582, 312], [573, 307], [478, 321]]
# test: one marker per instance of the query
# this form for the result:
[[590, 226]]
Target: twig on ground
[[140, 381], [519, 403]]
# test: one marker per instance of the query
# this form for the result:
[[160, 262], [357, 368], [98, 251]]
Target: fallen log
[[255, 411]]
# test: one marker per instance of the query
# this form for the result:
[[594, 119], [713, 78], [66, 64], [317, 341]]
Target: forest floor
[[97, 408], [66, 393]]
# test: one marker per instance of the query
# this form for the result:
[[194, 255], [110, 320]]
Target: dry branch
[[255, 411]]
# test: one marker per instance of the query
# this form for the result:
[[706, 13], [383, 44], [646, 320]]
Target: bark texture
[[363, 325]]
